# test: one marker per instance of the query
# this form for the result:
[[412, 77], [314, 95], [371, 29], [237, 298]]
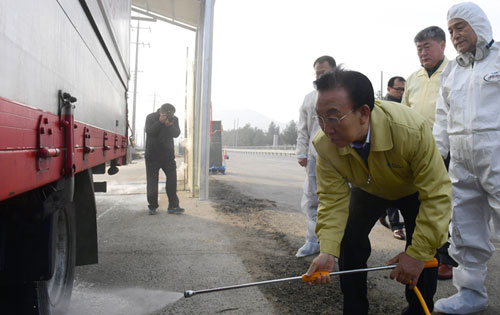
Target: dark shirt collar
[[431, 71]]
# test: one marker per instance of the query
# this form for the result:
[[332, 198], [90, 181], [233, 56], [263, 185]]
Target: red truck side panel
[[32, 148]]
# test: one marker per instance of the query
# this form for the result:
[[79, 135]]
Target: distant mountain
[[239, 118]]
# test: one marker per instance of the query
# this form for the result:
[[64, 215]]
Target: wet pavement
[[146, 262]]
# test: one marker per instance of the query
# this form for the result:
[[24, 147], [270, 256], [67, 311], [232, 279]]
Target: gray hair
[[325, 58], [432, 32]]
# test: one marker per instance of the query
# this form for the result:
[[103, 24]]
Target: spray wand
[[428, 264]]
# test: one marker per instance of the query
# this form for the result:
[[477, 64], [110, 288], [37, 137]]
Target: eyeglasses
[[330, 121], [399, 89]]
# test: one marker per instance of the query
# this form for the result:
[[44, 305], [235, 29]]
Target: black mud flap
[[86, 221]]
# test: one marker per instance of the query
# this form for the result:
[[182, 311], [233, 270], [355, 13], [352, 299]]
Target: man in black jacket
[[161, 129], [395, 89]]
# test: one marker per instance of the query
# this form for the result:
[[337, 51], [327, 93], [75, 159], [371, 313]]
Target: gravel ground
[[267, 240]]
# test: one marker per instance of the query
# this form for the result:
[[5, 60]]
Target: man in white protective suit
[[468, 126], [306, 156]]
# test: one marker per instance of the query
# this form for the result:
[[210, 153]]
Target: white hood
[[476, 18]]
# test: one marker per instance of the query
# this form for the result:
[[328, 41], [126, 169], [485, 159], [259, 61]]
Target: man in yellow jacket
[[421, 93], [373, 155], [422, 86]]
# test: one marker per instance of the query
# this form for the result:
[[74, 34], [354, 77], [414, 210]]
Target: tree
[[249, 136], [289, 135], [259, 138], [245, 135], [229, 137], [271, 131]]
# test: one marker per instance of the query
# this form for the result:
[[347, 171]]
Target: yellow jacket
[[421, 92], [403, 159]]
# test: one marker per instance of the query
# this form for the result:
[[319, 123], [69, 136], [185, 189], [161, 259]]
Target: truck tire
[[54, 295]]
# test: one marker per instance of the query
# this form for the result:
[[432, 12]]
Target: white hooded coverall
[[468, 126], [306, 130]]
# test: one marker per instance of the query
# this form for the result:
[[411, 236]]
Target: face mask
[[482, 51]]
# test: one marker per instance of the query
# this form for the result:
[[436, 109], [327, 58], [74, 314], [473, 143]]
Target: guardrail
[[267, 151], [263, 147]]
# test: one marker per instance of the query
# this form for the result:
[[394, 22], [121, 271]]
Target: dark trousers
[[393, 214], [364, 211], [152, 174]]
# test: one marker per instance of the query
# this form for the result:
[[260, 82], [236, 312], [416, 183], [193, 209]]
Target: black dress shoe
[[399, 234]]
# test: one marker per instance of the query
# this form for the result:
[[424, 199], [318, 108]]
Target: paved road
[[275, 177]]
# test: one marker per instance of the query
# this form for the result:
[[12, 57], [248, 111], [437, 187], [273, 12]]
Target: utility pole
[[237, 123], [186, 96], [134, 133], [381, 84], [154, 102], [135, 78], [276, 137]]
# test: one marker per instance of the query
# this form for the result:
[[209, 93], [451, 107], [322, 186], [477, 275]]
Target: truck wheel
[[55, 294]]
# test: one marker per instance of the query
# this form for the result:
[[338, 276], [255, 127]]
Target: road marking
[[105, 212]]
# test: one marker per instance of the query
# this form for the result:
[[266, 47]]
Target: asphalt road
[[274, 177]]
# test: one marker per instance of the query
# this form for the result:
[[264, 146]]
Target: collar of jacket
[[389, 97], [423, 71], [380, 134]]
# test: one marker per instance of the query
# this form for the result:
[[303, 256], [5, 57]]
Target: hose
[[421, 299]]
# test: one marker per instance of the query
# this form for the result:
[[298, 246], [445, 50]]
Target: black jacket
[[389, 97], [160, 138]]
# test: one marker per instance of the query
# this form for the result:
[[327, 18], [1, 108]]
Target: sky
[[263, 50], [164, 54]]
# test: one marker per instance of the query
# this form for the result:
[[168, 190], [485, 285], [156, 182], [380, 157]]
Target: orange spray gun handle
[[318, 274]]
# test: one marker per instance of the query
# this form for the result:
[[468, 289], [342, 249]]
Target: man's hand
[[168, 123], [324, 261], [408, 269], [303, 162]]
